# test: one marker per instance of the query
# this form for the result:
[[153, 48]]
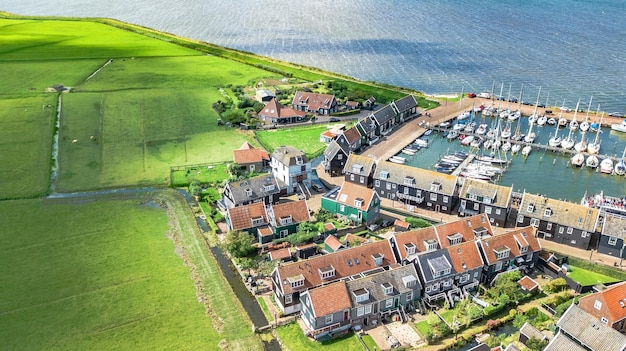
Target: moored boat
[[516, 148], [592, 161], [606, 166], [397, 159], [620, 127], [526, 150], [578, 159], [541, 120]]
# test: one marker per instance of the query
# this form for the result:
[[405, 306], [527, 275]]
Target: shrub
[[417, 222], [556, 285]]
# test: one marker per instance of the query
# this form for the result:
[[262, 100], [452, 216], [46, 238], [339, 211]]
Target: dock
[[463, 165]]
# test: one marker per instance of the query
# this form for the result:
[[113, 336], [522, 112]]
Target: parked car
[[512, 99], [471, 95], [372, 227], [386, 223], [484, 95], [616, 114], [317, 187]]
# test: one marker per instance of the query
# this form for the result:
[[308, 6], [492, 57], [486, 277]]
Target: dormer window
[[384, 175], [435, 186], [409, 181], [327, 272], [481, 231], [530, 208], [431, 244], [248, 192], [387, 288], [502, 252], [523, 249], [455, 238], [358, 202], [547, 212], [357, 168], [286, 220], [361, 295], [439, 266], [378, 259], [299, 160], [268, 187], [409, 281], [257, 221], [296, 281], [410, 248]]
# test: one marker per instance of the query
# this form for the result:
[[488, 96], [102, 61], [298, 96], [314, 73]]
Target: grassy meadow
[[306, 139]]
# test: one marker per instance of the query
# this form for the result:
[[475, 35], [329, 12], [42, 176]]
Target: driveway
[[404, 333]]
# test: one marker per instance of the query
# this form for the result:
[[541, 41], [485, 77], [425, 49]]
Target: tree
[[417, 222], [239, 244], [519, 320], [555, 285], [195, 189], [535, 344]]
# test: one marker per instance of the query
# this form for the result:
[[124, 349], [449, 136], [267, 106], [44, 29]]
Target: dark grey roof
[[423, 178], [366, 125], [373, 283], [332, 149], [590, 331], [406, 103], [437, 260], [254, 188], [288, 155], [384, 114]]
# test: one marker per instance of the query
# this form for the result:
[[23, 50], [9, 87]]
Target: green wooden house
[[358, 204]]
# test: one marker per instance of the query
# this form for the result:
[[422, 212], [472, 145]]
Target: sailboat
[[574, 123], [530, 136], [594, 148], [555, 140], [516, 148], [541, 120], [620, 166], [506, 147], [592, 161], [526, 150], [584, 125], [518, 113], [578, 159], [562, 120], [506, 132], [568, 142], [606, 166]]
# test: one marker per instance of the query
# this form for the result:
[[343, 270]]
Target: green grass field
[[81, 274], [586, 277], [306, 139], [294, 340]]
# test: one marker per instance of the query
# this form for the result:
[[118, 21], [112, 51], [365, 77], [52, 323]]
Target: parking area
[[402, 332]]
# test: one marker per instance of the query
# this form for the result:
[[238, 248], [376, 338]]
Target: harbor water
[[542, 171]]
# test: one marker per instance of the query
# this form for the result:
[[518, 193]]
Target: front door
[[437, 208]]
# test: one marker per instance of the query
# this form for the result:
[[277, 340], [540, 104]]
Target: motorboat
[[541, 120], [397, 159], [470, 127], [592, 161], [467, 140], [474, 175], [620, 127], [460, 125], [578, 159], [526, 150], [594, 126], [551, 121], [421, 142], [428, 132], [464, 115], [606, 166], [476, 142], [453, 134], [492, 160], [482, 129], [516, 148]]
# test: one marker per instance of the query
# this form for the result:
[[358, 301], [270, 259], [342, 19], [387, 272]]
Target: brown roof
[[280, 254], [332, 242], [329, 299], [314, 101], [351, 238], [546, 255], [465, 227], [613, 301], [274, 109], [350, 192], [527, 283], [241, 216], [510, 240], [465, 256], [401, 224], [265, 231], [298, 210], [352, 135], [246, 146], [309, 269], [417, 237], [249, 155], [329, 226]]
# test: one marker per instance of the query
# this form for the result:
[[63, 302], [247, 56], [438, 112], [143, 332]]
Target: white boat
[[506, 146], [562, 122], [463, 115], [428, 132], [506, 132], [459, 126], [516, 148], [581, 146], [555, 140], [606, 166], [567, 143], [620, 127], [421, 142], [592, 161], [578, 159], [487, 144], [620, 166], [541, 120], [526, 150], [594, 148], [584, 126], [469, 127], [467, 140], [491, 159], [573, 125], [476, 142], [444, 125], [530, 136], [532, 118], [496, 144], [515, 115], [452, 135], [409, 152], [482, 129], [397, 159], [551, 121], [474, 175]]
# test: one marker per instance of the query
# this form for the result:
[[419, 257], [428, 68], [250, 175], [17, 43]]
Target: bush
[[417, 222], [555, 285]]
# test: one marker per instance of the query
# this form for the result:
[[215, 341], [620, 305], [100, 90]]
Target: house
[[332, 244], [613, 236], [275, 113], [437, 277], [467, 264], [335, 158], [383, 294], [463, 230], [327, 136], [483, 197], [285, 218], [527, 332], [410, 244], [290, 280], [292, 167], [248, 218], [367, 129], [371, 298], [514, 250], [304, 251], [416, 187], [350, 140], [385, 119], [400, 225], [280, 255], [406, 109], [321, 104], [528, 284], [608, 306], [265, 95], [578, 330], [369, 103], [263, 188], [352, 105], [250, 158], [359, 169], [326, 309], [559, 221], [358, 204]]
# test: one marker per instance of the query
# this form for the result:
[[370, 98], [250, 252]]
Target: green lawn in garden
[[265, 309], [369, 342], [213, 174], [585, 277], [305, 138], [102, 274], [25, 145], [423, 327], [293, 338]]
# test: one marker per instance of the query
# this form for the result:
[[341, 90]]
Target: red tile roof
[[610, 298], [329, 226], [298, 210], [528, 283], [247, 156], [314, 101], [332, 242], [351, 238], [401, 224], [241, 216], [509, 241], [274, 109], [329, 299], [265, 231], [309, 269], [465, 256], [280, 254], [417, 237], [352, 135], [464, 226]]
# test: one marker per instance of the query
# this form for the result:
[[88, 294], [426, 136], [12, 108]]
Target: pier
[[463, 165]]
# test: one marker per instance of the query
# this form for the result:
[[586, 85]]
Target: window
[[388, 303], [410, 248], [303, 168], [352, 177], [604, 320], [393, 185], [387, 288], [534, 222], [388, 186], [498, 266], [329, 319], [549, 226], [285, 220], [464, 278], [523, 249], [284, 233], [406, 190], [547, 212], [361, 180], [502, 253], [268, 187], [435, 186], [327, 272], [583, 234], [361, 295], [612, 240], [476, 206], [257, 221], [488, 209], [597, 305], [561, 230], [447, 283], [520, 219], [340, 156], [435, 287], [358, 202], [570, 230], [530, 208], [446, 199], [498, 211], [476, 274], [357, 168], [298, 282], [463, 203], [384, 175], [433, 196], [409, 181], [409, 296], [248, 192], [368, 309], [377, 183], [378, 259], [360, 311]]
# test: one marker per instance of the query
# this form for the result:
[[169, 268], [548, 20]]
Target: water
[[572, 48], [542, 172]]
